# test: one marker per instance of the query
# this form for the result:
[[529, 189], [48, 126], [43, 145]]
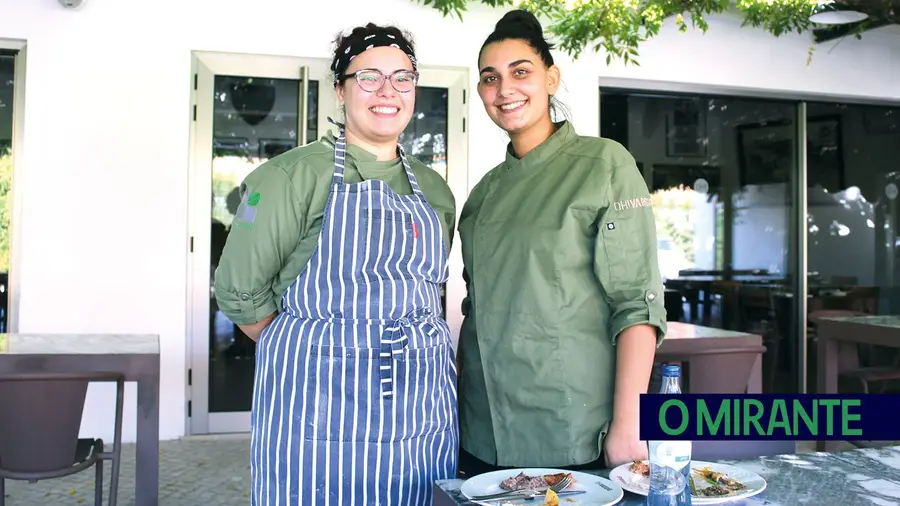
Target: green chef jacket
[[559, 252], [278, 223]]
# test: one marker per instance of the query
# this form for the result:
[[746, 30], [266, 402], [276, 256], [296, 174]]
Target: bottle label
[[673, 454]]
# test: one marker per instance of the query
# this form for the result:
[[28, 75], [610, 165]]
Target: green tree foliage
[[619, 26]]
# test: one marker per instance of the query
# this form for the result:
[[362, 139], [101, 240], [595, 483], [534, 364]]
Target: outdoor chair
[[40, 420]]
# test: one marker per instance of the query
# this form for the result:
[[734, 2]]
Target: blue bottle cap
[[671, 370]]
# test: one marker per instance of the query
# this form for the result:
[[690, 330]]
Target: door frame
[[456, 81], [205, 65]]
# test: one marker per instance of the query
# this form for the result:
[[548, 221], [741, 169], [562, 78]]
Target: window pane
[[853, 176], [426, 135], [7, 79], [254, 119], [721, 172]]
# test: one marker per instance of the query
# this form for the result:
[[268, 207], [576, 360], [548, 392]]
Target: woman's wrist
[[626, 424]]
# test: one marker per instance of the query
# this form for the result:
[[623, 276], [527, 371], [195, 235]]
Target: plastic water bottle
[[670, 461]]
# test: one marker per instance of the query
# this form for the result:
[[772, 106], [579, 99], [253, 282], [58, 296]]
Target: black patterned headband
[[377, 39]]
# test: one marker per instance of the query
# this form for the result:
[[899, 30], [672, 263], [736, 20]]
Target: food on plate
[[711, 491], [551, 499], [553, 479], [717, 484], [721, 484], [640, 467], [524, 482]]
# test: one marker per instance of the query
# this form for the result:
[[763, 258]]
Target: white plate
[[599, 491], [640, 484]]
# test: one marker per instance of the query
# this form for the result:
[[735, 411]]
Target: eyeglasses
[[372, 80]]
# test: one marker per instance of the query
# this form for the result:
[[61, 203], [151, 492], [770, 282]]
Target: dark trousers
[[470, 465]]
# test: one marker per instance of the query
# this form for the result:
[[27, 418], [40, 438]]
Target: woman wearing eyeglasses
[[334, 263]]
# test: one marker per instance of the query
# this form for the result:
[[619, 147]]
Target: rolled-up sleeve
[[265, 231], [626, 261]]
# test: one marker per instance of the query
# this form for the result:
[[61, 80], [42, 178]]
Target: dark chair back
[[40, 419]]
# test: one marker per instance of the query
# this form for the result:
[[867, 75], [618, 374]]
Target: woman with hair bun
[[335, 265], [564, 308]]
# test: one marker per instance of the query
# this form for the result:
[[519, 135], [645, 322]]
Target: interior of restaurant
[[723, 171]]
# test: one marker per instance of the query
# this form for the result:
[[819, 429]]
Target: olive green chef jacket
[[559, 252], [278, 223]]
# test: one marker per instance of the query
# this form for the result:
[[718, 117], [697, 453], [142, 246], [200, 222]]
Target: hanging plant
[[618, 27]]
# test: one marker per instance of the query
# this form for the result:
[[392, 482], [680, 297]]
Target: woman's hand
[[622, 445], [635, 349], [255, 330]]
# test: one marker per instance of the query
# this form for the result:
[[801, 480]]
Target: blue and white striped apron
[[355, 387]]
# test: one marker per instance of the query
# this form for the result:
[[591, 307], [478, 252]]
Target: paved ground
[[195, 471], [192, 472]]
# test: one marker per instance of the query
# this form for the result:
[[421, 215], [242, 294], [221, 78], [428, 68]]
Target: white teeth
[[385, 110], [514, 105]]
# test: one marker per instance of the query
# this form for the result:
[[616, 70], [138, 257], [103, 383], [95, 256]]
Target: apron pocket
[[388, 243], [424, 400], [343, 399]]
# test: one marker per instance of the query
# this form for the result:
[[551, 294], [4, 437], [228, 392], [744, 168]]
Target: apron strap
[[409, 174], [340, 153]]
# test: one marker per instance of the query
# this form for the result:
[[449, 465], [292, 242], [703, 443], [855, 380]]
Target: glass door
[[7, 99], [248, 109], [721, 170]]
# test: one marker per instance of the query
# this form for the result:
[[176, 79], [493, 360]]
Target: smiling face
[[378, 116], [515, 85]]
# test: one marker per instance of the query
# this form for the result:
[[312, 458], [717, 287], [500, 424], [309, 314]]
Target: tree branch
[[618, 27]]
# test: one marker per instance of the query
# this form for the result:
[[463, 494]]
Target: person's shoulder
[[600, 149], [311, 161], [489, 176], [317, 156], [482, 185], [432, 182]]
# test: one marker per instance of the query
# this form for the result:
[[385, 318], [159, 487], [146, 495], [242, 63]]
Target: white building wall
[[104, 178]]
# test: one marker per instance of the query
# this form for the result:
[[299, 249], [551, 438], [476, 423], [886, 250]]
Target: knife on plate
[[522, 495]]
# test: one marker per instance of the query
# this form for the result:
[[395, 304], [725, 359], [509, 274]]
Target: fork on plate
[[525, 493]]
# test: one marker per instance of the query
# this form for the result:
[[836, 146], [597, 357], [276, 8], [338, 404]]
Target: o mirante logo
[[774, 417]]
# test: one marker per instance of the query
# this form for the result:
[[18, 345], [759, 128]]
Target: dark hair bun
[[520, 22], [521, 25]]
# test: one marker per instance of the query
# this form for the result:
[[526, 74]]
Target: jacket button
[[651, 296], [245, 296]]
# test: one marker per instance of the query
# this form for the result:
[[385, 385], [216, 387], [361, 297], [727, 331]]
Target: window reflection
[[853, 153], [852, 159], [254, 119], [720, 170], [426, 135], [7, 80]]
